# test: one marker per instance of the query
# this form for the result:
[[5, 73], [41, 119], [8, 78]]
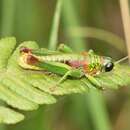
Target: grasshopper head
[[98, 64]]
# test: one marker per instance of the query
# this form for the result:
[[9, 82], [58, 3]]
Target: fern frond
[[26, 90], [11, 117], [6, 46]]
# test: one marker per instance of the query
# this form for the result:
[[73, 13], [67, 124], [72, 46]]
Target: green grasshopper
[[65, 62]]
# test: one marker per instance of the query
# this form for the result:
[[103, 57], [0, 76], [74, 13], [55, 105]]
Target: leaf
[[6, 45], [17, 92], [11, 117], [55, 25], [26, 89]]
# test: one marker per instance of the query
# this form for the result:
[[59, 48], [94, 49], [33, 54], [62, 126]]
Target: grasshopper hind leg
[[94, 81]]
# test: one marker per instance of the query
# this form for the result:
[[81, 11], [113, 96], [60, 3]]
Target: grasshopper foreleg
[[94, 81]]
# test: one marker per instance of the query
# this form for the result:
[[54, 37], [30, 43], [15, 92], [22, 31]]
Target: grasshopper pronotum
[[65, 62]]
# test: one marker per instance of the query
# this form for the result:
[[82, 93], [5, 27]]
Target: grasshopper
[[65, 62]]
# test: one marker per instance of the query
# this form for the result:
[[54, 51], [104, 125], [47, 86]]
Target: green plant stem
[[55, 26], [96, 105], [124, 5], [8, 17], [97, 108], [70, 20], [100, 34]]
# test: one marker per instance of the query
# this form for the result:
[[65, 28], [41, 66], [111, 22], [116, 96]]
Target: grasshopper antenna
[[122, 59]]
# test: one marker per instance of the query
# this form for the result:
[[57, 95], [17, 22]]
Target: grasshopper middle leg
[[74, 73]]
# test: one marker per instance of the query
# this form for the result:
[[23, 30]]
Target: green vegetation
[[25, 90]]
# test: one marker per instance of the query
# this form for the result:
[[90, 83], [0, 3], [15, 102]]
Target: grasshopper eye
[[109, 66]]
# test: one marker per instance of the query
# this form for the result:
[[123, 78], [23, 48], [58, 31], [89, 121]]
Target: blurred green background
[[84, 25]]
